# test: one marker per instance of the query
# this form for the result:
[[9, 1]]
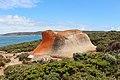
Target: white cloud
[[7, 4], [117, 28], [10, 23], [15, 23], [112, 27]]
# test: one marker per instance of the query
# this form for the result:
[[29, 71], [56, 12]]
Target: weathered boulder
[[64, 43]]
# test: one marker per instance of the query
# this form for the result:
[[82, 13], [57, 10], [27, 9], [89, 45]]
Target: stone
[[64, 43]]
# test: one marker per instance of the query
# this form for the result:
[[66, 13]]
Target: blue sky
[[35, 15]]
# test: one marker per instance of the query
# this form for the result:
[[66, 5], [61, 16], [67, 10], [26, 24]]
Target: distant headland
[[32, 33], [22, 33]]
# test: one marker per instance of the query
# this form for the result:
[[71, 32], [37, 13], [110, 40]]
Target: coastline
[[11, 40]]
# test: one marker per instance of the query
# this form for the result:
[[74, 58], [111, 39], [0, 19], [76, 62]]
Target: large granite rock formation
[[64, 43]]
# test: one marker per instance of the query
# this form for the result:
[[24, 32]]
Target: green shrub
[[52, 76], [2, 63], [104, 62], [112, 59], [79, 56], [113, 46], [84, 67], [1, 56], [3, 78], [5, 60], [65, 76], [23, 56], [100, 48]]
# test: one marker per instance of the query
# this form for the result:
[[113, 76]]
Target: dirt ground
[[13, 62], [1, 72]]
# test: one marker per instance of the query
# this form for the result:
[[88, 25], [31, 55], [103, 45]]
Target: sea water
[[8, 40]]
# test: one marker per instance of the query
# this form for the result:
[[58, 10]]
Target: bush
[[7, 60], [101, 61], [23, 56], [2, 63], [1, 56], [112, 59], [3, 78], [100, 48], [4, 60], [84, 66], [113, 46], [52, 76]]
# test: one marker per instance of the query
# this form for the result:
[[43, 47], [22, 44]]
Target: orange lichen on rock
[[46, 43], [64, 43]]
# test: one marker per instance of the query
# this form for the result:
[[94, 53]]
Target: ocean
[[8, 40]]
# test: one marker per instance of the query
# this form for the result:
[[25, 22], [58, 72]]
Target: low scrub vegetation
[[3, 61], [106, 41], [85, 66], [23, 56]]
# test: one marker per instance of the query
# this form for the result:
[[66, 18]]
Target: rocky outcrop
[[64, 43], [46, 44]]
